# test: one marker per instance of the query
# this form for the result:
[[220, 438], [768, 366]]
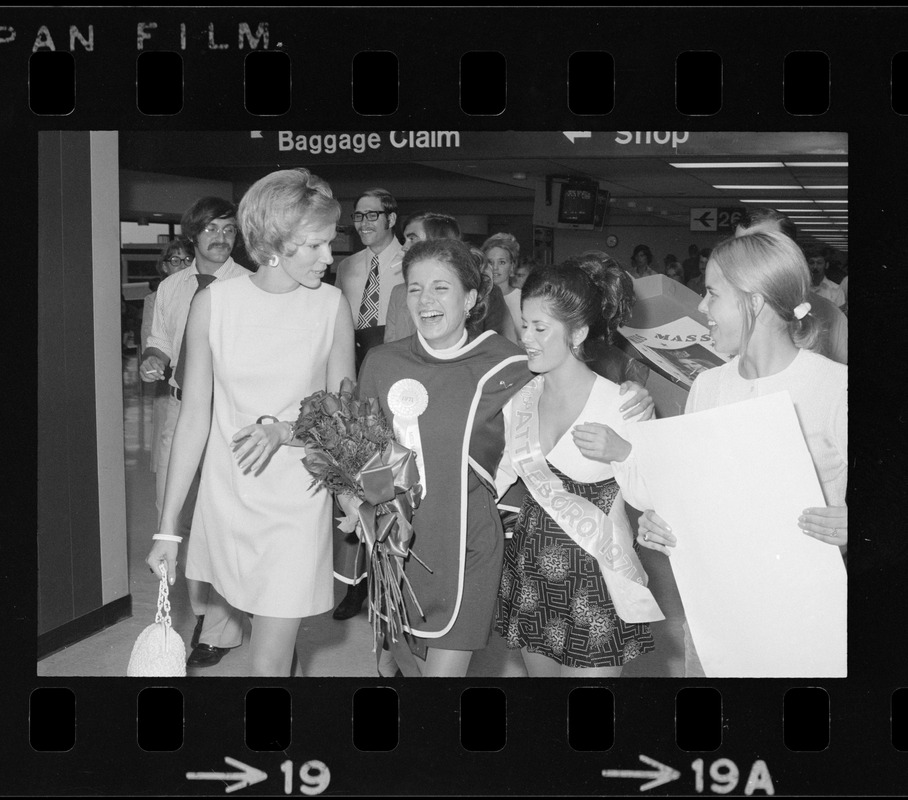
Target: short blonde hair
[[770, 265], [275, 206]]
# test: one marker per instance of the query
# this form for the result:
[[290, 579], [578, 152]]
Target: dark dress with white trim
[[457, 526]]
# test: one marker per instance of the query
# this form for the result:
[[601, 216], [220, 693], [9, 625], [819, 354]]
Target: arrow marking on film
[[573, 135], [705, 219], [662, 774], [248, 777], [255, 135]]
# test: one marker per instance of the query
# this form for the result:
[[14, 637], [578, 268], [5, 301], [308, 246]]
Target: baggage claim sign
[[163, 151]]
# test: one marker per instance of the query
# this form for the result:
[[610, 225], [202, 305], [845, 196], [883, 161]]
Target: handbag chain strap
[[163, 614]]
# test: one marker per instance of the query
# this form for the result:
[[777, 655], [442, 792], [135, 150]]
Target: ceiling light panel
[[726, 164], [747, 188]]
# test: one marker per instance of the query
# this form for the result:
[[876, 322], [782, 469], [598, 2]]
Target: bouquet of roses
[[351, 450]]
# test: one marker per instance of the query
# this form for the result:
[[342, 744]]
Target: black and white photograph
[[332, 504], [454, 401]]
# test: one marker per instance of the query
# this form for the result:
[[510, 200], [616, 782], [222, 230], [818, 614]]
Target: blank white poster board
[[762, 599]]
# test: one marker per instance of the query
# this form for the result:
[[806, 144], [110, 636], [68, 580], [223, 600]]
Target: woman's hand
[[600, 443], [163, 552], [654, 533], [828, 525], [255, 444], [641, 402]]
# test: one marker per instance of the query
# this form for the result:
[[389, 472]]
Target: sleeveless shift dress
[[264, 541]]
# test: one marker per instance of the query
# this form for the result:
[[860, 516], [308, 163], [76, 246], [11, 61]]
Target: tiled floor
[[326, 647]]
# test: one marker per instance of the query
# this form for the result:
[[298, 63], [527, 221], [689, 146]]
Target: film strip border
[[855, 736], [123, 66], [451, 738], [268, 80]]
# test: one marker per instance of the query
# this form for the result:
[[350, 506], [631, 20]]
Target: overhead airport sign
[[166, 151], [703, 219], [721, 220]]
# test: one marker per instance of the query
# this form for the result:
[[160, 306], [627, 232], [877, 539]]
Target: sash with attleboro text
[[580, 519]]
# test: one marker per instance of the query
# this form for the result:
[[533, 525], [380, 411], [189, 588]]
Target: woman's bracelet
[[275, 421], [166, 537]]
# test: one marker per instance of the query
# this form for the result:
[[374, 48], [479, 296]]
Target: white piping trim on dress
[[464, 460]]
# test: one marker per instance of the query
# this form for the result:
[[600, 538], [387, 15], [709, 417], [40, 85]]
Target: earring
[[273, 261]]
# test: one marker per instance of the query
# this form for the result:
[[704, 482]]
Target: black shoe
[[194, 642], [352, 603], [206, 655]]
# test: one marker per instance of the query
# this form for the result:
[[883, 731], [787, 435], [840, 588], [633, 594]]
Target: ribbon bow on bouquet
[[389, 480]]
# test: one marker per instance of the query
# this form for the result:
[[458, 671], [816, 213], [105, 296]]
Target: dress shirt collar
[[220, 273], [385, 250]]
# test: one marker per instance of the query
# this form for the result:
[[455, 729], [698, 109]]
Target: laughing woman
[[447, 385]]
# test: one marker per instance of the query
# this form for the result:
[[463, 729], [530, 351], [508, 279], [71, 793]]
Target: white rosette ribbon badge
[[407, 400]]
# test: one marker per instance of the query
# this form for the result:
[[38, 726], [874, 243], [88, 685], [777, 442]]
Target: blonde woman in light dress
[[261, 343]]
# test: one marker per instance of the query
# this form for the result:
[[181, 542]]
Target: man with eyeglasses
[[210, 224], [366, 278]]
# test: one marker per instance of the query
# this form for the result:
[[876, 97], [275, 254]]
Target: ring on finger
[[645, 537]]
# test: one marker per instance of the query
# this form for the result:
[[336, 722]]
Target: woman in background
[[502, 252]]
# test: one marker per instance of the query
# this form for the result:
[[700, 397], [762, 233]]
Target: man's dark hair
[[203, 211], [388, 203], [814, 251]]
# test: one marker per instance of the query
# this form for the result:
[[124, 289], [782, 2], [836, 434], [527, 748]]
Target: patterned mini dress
[[553, 599]]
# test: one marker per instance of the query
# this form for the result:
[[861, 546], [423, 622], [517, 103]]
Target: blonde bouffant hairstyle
[[274, 208], [770, 265]]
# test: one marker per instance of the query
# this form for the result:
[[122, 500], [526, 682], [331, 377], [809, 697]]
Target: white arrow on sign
[[248, 777], [255, 135], [662, 774], [573, 135]]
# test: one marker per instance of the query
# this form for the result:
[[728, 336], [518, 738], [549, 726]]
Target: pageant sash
[[580, 519]]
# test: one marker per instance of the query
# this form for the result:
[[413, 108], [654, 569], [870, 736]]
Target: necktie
[[203, 280], [368, 310]]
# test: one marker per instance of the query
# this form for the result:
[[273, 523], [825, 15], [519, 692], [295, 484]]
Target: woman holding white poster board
[[573, 594], [757, 290]]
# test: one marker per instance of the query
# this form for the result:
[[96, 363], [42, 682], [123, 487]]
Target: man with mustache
[[210, 224], [366, 278]]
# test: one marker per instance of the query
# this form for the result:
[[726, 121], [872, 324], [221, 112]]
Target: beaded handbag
[[159, 651]]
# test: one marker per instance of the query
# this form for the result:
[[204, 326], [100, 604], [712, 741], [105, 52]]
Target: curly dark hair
[[584, 291]]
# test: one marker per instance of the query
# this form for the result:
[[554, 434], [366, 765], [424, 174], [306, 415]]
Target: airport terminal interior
[[109, 203]]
